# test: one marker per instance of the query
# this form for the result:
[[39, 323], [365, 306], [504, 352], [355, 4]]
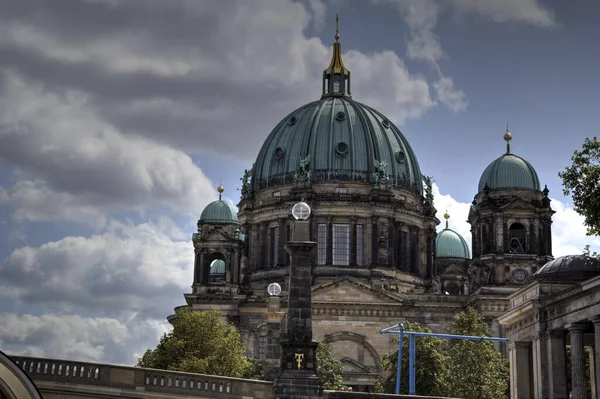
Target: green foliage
[[586, 251], [201, 342], [257, 370], [329, 369], [476, 370], [430, 365], [581, 180]]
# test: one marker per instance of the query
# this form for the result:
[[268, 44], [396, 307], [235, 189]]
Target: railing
[[134, 378]]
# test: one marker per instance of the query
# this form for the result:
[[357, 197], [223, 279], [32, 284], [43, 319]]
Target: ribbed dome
[[450, 244], [509, 171], [344, 141], [570, 267], [219, 212]]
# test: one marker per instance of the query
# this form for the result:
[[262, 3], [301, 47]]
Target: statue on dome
[[246, 179], [428, 180], [303, 174], [380, 176]]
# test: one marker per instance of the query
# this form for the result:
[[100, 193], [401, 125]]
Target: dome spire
[[507, 138], [220, 190], [336, 77], [446, 216]]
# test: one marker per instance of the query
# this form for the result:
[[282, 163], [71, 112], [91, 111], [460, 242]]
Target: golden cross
[[299, 357]]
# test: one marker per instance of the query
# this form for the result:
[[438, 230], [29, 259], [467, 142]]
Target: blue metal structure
[[399, 330]]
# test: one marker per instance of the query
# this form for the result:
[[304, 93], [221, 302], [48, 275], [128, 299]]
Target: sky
[[119, 118]]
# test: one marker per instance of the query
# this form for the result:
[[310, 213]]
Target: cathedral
[[382, 256]]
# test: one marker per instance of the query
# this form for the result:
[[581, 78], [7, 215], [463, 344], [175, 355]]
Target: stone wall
[[360, 395]]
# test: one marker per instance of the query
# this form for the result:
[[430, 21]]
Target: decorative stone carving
[[380, 176], [303, 173], [246, 181]]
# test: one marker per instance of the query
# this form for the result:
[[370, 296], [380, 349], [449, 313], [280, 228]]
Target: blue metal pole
[[399, 369], [411, 364]]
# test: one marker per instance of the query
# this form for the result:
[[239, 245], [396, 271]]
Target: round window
[[340, 116], [400, 157], [519, 275], [385, 123], [342, 148], [292, 120], [279, 153]]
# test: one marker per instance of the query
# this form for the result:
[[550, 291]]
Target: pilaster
[[557, 364], [577, 361], [596, 321], [520, 367]]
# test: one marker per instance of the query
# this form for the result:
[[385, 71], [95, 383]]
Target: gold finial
[[337, 26], [507, 138], [446, 216], [220, 190]]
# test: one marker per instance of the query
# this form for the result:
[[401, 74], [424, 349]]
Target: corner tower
[[217, 254], [510, 221]]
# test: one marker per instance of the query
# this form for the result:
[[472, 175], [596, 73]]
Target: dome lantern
[[336, 77]]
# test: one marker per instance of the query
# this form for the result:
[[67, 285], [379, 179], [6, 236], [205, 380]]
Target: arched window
[[217, 271], [516, 238]]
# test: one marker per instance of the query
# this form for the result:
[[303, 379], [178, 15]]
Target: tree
[[329, 369], [587, 252], [581, 180], [200, 342], [476, 370], [430, 365]]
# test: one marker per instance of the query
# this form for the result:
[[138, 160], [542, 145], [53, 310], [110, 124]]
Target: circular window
[[279, 153], [292, 120], [519, 275], [340, 116], [400, 157], [385, 123], [342, 148]]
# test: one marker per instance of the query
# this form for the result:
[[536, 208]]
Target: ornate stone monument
[[298, 379]]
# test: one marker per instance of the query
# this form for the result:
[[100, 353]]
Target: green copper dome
[[509, 171], [217, 267], [340, 140], [219, 212], [450, 244], [336, 139]]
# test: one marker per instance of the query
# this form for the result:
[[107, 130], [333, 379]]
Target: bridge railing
[[135, 378]]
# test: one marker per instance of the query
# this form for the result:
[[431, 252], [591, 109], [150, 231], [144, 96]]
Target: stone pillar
[[520, 369], [298, 351], [281, 255], [498, 234], [374, 242], [414, 249], [557, 364], [578, 381], [540, 367], [430, 253], [591, 357], [596, 321]]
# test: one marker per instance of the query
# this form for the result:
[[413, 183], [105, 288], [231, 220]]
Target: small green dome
[[342, 140], [219, 212], [509, 171], [217, 267], [450, 244]]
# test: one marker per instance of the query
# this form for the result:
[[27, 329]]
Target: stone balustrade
[[141, 379]]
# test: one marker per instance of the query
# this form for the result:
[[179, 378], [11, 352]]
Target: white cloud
[[141, 269], [521, 11], [454, 99], [568, 231], [78, 338], [75, 165]]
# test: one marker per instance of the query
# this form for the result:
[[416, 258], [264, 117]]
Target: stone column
[[298, 351], [540, 367], [578, 381], [596, 321], [430, 253], [329, 250], [520, 367], [591, 357], [281, 255], [557, 364], [498, 234]]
